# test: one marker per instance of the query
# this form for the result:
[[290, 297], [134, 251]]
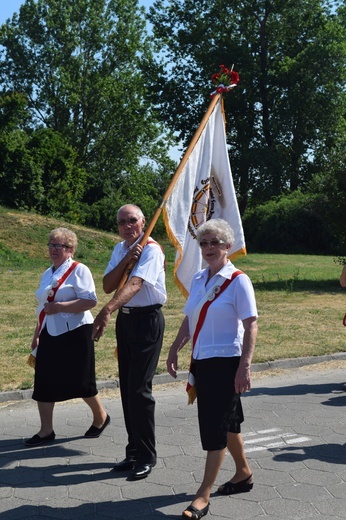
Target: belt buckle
[[125, 310]]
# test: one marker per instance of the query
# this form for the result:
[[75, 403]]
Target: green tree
[[80, 65], [288, 104], [329, 184], [20, 178], [63, 181], [38, 169], [144, 187]]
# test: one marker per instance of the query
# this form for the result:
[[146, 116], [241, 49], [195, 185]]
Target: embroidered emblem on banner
[[205, 196], [202, 207]]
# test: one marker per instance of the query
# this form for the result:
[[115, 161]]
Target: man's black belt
[[140, 310]]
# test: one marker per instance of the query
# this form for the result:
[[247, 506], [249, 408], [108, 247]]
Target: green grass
[[300, 301]]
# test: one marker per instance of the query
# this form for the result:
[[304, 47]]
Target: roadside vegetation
[[300, 301]]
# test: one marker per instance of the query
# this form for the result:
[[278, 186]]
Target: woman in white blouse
[[221, 320], [62, 343]]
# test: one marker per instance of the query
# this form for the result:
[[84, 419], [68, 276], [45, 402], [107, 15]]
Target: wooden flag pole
[[174, 179]]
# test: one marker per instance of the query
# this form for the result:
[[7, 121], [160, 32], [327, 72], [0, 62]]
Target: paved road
[[294, 434]]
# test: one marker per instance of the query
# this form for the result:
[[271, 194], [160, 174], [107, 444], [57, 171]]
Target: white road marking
[[259, 441]]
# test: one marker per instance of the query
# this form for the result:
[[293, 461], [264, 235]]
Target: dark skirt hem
[[219, 408], [65, 366]]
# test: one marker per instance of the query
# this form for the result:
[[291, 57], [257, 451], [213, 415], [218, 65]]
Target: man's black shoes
[[138, 470], [125, 465], [141, 471]]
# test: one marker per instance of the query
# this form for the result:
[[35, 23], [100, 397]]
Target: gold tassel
[[31, 361], [192, 395]]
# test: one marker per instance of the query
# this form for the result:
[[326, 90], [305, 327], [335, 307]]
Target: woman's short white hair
[[219, 227], [65, 236]]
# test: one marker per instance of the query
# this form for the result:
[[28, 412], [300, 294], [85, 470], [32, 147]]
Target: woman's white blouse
[[222, 332], [79, 284]]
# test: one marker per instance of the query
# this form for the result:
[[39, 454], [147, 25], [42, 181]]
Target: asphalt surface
[[294, 435]]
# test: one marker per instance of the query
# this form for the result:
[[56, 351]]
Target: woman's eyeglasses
[[56, 246], [130, 221], [215, 242]]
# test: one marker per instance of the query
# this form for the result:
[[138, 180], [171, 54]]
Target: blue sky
[[8, 7]]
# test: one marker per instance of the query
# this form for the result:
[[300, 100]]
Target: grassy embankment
[[300, 301]]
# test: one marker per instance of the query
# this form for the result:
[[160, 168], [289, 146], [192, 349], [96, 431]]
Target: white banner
[[204, 190]]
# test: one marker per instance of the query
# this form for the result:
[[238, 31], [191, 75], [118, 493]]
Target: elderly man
[[139, 334]]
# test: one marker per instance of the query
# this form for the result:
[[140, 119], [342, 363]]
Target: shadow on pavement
[[49, 472], [323, 388], [132, 508], [339, 400], [333, 453], [45, 467]]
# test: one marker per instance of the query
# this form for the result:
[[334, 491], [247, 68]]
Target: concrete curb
[[160, 379]]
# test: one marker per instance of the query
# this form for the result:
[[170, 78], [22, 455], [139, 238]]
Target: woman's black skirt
[[219, 407], [65, 366]]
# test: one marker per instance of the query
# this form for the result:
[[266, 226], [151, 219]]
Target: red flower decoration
[[225, 77], [224, 80]]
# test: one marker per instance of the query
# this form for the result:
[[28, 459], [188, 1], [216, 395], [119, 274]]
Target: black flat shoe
[[94, 432], [196, 514], [229, 488], [125, 465], [141, 471], [36, 440]]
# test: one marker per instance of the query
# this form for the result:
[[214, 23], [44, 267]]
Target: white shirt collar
[[226, 271]]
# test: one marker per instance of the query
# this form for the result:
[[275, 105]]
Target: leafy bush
[[288, 224]]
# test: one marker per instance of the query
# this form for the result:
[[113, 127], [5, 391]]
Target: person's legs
[[46, 416], [242, 480], [219, 413], [235, 446], [212, 383], [139, 339], [123, 325], [144, 359], [99, 413], [212, 466]]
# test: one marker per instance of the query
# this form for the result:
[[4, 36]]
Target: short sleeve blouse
[[79, 284], [222, 332]]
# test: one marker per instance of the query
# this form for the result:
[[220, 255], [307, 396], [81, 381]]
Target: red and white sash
[[198, 320], [41, 318], [52, 292]]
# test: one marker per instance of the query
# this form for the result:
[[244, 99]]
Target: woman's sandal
[[229, 488], [196, 514]]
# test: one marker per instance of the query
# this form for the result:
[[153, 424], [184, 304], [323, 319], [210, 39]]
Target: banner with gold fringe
[[204, 190]]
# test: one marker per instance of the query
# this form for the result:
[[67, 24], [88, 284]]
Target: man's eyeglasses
[[131, 221], [215, 242], [56, 246]]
